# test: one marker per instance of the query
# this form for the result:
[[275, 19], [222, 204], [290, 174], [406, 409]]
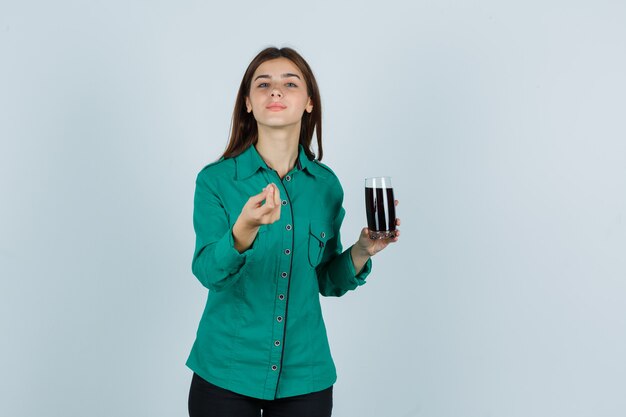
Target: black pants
[[208, 400]]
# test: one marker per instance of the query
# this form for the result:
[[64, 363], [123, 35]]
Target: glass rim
[[378, 182], [387, 177]]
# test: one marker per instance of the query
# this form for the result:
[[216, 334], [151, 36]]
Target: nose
[[276, 93]]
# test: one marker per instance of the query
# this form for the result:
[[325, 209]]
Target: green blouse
[[262, 333]]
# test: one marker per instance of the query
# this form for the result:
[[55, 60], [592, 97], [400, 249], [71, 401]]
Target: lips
[[276, 106]]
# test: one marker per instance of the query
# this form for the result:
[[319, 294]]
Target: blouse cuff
[[363, 273]]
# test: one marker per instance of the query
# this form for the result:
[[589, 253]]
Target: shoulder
[[328, 176], [217, 171], [325, 172]]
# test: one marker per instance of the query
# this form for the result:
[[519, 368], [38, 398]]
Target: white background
[[501, 123]]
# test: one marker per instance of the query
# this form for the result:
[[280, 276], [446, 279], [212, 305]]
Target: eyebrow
[[285, 75]]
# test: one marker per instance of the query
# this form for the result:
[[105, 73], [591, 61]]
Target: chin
[[276, 123]]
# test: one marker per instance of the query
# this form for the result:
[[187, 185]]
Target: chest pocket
[[319, 234]]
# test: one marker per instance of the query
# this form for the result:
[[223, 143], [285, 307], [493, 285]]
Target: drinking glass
[[380, 207]]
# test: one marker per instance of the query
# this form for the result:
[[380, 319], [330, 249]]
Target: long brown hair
[[243, 131]]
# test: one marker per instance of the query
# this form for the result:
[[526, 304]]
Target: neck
[[279, 147]]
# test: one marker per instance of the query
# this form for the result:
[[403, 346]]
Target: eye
[[263, 85], [291, 85]]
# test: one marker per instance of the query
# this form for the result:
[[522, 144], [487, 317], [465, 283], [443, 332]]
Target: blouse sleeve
[[336, 274], [216, 263]]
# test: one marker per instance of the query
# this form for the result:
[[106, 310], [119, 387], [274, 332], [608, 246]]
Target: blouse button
[[274, 367], [287, 251], [279, 318], [281, 297], [288, 178], [277, 343], [288, 227], [323, 235], [284, 202], [284, 275]]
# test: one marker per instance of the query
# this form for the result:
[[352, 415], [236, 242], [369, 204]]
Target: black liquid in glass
[[380, 208]]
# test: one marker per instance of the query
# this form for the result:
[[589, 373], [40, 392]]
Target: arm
[[216, 263], [337, 272], [339, 275], [221, 250]]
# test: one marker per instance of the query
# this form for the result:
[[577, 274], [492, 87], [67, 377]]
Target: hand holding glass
[[380, 207]]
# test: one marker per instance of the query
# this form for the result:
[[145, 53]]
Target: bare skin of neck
[[279, 147]]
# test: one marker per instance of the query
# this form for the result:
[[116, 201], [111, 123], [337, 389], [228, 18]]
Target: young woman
[[267, 217]]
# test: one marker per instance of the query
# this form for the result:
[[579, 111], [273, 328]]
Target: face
[[278, 94]]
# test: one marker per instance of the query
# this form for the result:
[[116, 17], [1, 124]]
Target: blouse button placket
[[282, 287]]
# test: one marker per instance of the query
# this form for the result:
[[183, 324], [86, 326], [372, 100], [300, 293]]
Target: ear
[[248, 105], [309, 106]]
